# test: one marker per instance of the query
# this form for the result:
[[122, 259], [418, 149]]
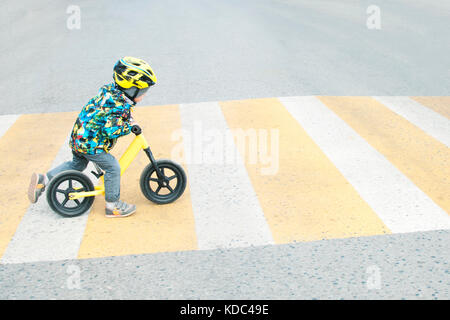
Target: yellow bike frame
[[139, 143]]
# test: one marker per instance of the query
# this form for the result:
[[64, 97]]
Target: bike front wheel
[[167, 189]]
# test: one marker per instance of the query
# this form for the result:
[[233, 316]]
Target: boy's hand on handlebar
[[133, 122]]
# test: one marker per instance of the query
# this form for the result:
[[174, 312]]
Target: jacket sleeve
[[117, 121]]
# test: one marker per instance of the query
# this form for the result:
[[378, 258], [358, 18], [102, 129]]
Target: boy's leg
[[79, 163], [39, 181], [111, 166]]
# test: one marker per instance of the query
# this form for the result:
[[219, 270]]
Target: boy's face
[[139, 99]]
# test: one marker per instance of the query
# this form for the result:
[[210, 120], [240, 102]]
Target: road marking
[[227, 212], [153, 228], [7, 121], [347, 166], [426, 119], [30, 144], [308, 199], [439, 104], [42, 234], [395, 166]]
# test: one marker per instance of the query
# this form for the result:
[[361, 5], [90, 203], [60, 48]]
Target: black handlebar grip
[[136, 129]]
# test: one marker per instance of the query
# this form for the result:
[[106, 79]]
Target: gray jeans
[[105, 161]]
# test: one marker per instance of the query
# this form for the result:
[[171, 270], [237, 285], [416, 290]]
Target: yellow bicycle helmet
[[133, 76]]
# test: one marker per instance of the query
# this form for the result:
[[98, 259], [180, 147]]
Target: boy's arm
[[117, 122]]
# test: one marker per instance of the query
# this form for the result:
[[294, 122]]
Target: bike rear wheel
[[58, 193]]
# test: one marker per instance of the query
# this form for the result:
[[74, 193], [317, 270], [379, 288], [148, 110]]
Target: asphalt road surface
[[205, 51], [222, 50]]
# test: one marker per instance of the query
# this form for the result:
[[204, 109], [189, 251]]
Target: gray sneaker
[[36, 187], [121, 209]]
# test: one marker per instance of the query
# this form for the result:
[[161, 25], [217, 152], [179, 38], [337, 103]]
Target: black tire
[[175, 182], [57, 193]]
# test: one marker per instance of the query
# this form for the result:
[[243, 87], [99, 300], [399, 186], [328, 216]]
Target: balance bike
[[71, 193]]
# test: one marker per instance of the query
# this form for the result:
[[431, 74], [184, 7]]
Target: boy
[[106, 117]]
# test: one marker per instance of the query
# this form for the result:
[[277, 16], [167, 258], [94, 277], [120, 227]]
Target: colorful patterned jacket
[[101, 121]]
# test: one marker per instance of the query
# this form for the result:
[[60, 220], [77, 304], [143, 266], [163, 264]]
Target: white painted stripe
[[226, 209], [42, 234], [425, 118], [401, 205], [6, 121]]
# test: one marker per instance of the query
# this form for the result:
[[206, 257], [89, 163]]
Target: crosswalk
[[260, 172]]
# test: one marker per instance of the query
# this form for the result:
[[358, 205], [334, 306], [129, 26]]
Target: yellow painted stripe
[[153, 228], [308, 198], [423, 159], [439, 104], [29, 145]]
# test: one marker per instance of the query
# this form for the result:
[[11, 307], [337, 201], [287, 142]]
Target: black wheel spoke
[[70, 183], [60, 190], [157, 189], [170, 188], [77, 201], [154, 179], [172, 177], [64, 202]]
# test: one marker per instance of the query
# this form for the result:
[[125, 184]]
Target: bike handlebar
[[136, 129]]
